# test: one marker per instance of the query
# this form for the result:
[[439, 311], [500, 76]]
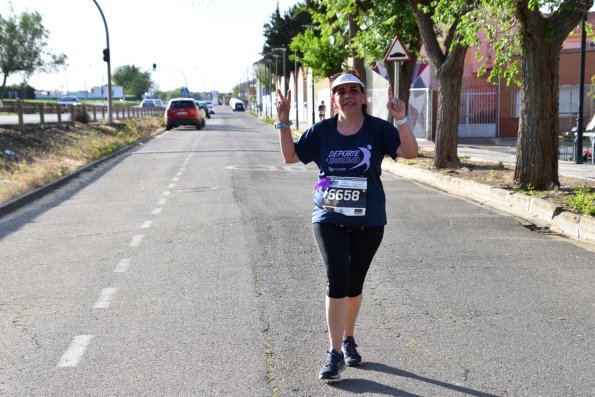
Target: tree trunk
[[537, 145], [450, 79], [358, 62], [542, 37], [448, 65]]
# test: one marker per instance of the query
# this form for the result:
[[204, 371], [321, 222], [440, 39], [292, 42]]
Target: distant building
[[95, 93]]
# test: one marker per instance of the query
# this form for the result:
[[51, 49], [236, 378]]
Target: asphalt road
[[187, 267]]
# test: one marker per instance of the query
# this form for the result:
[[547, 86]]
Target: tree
[[542, 36], [23, 48], [526, 37], [133, 80], [279, 32], [380, 23], [439, 26]]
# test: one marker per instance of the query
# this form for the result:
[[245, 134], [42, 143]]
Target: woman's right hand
[[283, 106]]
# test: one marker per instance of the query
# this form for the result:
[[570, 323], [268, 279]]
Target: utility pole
[[107, 58]]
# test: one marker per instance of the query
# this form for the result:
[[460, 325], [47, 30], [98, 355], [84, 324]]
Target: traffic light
[[154, 67], [106, 54]]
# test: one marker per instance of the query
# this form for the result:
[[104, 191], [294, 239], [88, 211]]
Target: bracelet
[[280, 125], [401, 122]]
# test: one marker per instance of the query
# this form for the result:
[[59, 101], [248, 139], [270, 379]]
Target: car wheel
[[168, 127], [198, 126]]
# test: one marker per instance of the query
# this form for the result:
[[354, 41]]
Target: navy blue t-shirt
[[359, 155]]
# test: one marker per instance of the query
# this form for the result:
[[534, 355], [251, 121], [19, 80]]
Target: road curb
[[532, 209]]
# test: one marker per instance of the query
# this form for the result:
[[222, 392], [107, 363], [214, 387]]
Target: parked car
[[238, 106], [203, 106], [152, 103], [211, 107], [183, 111], [68, 100]]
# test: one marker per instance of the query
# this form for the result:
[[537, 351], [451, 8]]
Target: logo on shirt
[[347, 160]]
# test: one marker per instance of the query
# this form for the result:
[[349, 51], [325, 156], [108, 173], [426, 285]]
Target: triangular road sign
[[396, 52]]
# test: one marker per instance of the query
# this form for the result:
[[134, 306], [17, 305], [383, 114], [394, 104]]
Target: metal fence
[[478, 113], [22, 113]]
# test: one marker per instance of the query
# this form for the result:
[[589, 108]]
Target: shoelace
[[329, 360], [350, 347]]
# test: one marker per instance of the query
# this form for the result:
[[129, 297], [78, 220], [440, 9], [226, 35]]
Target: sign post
[[396, 53]]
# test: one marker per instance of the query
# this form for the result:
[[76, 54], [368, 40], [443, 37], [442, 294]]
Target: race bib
[[346, 195]]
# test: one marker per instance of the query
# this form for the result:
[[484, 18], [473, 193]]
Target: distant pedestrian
[[349, 212], [321, 111]]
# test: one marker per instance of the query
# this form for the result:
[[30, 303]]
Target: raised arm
[[397, 109], [285, 139]]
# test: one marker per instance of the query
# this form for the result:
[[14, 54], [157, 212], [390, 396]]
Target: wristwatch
[[280, 125], [401, 122]]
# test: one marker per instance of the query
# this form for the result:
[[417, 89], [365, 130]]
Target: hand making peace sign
[[283, 106]]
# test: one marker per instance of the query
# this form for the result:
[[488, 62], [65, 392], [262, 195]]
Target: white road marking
[[176, 179], [253, 167], [122, 266], [182, 169], [171, 185], [178, 174], [156, 211], [75, 351], [146, 224], [105, 298], [162, 201], [166, 193], [136, 240]]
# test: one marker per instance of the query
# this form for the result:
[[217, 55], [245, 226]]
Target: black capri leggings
[[347, 254]]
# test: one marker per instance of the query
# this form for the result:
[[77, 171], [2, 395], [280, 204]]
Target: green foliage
[[134, 81], [529, 190], [279, 32], [23, 47], [583, 200]]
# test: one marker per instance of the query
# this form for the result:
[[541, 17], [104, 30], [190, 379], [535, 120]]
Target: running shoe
[[352, 357], [334, 365]]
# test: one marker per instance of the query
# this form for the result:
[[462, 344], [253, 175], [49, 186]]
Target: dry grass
[[30, 159]]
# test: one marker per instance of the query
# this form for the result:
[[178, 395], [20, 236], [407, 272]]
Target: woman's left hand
[[395, 106]]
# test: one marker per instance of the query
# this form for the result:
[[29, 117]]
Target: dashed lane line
[[75, 351]]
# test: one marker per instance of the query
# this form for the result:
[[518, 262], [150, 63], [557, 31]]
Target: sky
[[201, 44]]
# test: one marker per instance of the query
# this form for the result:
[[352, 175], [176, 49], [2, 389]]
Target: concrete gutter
[[539, 212]]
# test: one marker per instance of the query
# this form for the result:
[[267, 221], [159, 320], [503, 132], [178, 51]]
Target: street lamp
[[284, 71], [578, 151], [276, 69]]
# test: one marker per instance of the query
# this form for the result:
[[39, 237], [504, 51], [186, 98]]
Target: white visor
[[346, 79]]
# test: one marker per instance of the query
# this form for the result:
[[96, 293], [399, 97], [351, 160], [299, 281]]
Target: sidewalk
[[538, 212], [504, 150]]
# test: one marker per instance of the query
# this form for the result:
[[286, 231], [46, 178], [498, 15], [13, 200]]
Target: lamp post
[[295, 76], [284, 70], [267, 73], [175, 68], [581, 93], [106, 57], [276, 70]]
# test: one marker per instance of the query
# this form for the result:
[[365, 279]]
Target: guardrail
[[21, 113]]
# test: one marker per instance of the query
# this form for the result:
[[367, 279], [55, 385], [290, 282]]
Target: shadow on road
[[368, 386]]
